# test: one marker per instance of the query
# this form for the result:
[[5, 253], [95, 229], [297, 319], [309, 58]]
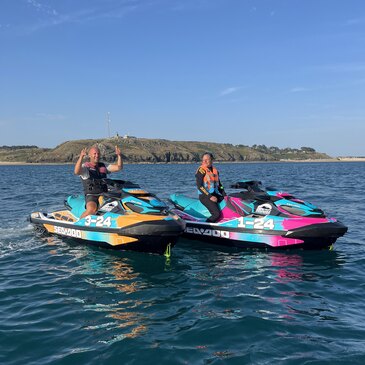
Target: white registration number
[[258, 223], [99, 221]]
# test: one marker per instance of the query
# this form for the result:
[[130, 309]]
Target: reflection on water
[[293, 270], [259, 275], [289, 267], [114, 287], [268, 285]]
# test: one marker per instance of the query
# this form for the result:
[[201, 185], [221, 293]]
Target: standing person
[[211, 191], [92, 173]]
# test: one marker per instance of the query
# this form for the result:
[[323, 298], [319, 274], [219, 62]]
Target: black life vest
[[94, 184]]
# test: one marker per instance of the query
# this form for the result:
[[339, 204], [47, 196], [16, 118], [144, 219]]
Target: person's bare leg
[[91, 208]]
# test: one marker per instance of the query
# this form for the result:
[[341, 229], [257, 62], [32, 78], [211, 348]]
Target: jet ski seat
[[191, 206]]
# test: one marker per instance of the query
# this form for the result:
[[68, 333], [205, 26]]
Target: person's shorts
[[92, 198]]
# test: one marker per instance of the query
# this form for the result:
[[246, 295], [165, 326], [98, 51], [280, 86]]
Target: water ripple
[[63, 303]]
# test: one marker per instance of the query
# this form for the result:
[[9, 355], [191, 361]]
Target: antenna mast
[[108, 122]]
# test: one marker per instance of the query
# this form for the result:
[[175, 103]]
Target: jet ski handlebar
[[116, 184]]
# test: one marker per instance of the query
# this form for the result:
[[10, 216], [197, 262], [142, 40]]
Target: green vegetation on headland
[[136, 150]]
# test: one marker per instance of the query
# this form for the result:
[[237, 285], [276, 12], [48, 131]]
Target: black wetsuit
[[205, 196]]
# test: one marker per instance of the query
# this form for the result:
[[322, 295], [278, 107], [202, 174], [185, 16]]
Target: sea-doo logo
[[207, 232], [264, 209], [67, 232]]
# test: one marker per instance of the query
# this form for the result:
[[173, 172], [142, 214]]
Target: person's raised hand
[[83, 152], [117, 151]]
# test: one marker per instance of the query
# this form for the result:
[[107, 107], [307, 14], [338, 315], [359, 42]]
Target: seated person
[[92, 173], [211, 191]]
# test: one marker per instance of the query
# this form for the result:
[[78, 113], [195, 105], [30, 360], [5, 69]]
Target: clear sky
[[286, 73]]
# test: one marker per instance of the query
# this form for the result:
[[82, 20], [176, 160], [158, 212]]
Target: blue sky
[[287, 73]]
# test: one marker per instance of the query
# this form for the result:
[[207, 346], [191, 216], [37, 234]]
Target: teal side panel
[[77, 204]]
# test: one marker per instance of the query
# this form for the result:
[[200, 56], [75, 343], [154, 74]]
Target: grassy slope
[[151, 150]]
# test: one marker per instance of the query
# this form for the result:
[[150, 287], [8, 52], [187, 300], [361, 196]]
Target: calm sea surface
[[66, 303]]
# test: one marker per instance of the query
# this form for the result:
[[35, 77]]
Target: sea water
[[68, 303]]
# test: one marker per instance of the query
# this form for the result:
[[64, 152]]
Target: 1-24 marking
[[258, 223]]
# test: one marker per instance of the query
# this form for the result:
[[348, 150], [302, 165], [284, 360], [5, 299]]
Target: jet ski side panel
[[255, 239], [245, 224], [145, 225]]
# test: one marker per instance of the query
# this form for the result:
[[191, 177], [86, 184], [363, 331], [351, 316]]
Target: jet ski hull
[[128, 218], [252, 224], [319, 236], [144, 236]]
